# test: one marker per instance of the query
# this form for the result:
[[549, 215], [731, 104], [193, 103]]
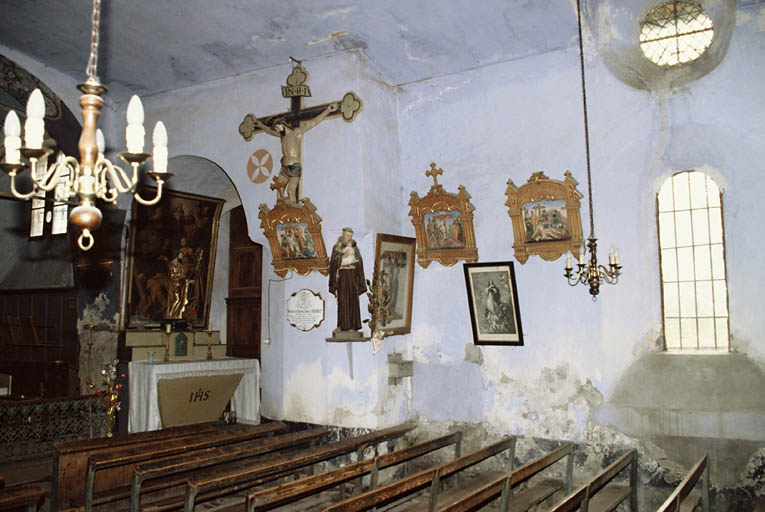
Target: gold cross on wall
[[434, 173]]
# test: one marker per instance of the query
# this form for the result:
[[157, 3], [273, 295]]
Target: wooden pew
[[503, 487], [428, 478], [173, 471], [239, 476], [15, 497], [116, 466], [70, 458], [597, 496], [273, 497], [684, 498]]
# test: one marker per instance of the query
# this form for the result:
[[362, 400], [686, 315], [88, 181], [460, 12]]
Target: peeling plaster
[[473, 354]]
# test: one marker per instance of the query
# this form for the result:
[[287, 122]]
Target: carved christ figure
[[292, 150]]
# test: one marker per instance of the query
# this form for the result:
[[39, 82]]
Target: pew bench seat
[[28, 497]]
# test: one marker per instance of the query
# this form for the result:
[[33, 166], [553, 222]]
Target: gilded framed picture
[[443, 224], [545, 217], [171, 259], [493, 303], [394, 266], [294, 235]]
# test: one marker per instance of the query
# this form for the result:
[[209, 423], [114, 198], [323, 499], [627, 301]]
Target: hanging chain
[[92, 69], [586, 126]]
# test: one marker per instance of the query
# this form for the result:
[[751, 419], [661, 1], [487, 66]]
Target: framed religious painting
[[394, 267], [294, 235], [545, 217], [171, 259], [493, 303], [443, 224]]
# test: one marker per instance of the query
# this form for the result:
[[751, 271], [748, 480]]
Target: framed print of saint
[[394, 265], [493, 302]]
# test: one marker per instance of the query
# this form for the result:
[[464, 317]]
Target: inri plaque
[[305, 309]]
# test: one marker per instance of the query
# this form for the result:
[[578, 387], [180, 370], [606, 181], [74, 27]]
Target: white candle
[[100, 142], [159, 138], [34, 127], [135, 133], [12, 142], [611, 257], [581, 256], [616, 257], [569, 263]]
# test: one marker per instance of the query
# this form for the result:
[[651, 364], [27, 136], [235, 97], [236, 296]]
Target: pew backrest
[[239, 477], [70, 458], [502, 487], [581, 499], [209, 457], [29, 497], [116, 467], [685, 488], [419, 481], [284, 494]]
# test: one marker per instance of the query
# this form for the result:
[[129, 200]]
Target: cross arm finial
[[434, 173]]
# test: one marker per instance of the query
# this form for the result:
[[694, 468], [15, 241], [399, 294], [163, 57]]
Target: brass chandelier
[[94, 176], [589, 272]]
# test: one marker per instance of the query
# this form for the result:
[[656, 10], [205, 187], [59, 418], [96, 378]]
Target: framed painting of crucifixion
[[545, 217], [443, 224], [294, 235]]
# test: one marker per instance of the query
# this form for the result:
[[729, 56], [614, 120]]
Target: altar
[[148, 378]]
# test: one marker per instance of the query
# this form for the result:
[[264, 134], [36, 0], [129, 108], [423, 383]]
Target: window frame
[[719, 348]]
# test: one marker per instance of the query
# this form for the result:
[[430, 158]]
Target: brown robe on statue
[[347, 283]]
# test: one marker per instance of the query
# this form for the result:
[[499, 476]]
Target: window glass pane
[[702, 262], [671, 306], [683, 231], [721, 298], [36, 224], [718, 263], [685, 264], [687, 300], [715, 226], [672, 333], [704, 306], [669, 265], [680, 191], [666, 229], [723, 342], [713, 193], [700, 226], [698, 189], [665, 197], [706, 333], [38, 203], [688, 333], [59, 220]]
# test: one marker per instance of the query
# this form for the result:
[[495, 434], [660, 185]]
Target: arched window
[[692, 254]]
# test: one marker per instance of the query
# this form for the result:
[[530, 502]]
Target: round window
[[676, 33]]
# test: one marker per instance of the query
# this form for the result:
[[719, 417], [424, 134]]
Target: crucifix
[[434, 173], [290, 126]]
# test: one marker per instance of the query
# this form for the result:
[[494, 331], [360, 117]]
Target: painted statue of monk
[[347, 281]]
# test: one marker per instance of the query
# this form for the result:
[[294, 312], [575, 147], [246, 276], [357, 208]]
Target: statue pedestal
[[344, 336]]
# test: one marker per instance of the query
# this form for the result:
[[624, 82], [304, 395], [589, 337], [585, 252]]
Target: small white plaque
[[305, 309]]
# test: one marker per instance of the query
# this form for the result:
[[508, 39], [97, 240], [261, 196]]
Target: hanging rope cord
[[92, 69], [586, 125]]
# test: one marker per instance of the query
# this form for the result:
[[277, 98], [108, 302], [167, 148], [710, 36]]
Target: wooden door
[[244, 290]]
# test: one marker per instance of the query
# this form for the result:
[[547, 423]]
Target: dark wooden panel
[[244, 290]]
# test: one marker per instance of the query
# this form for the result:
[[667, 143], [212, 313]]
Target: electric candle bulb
[[135, 133], [100, 142], [12, 142], [159, 138], [34, 126]]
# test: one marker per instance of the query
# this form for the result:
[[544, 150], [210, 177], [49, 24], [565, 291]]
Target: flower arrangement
[[109, 393]]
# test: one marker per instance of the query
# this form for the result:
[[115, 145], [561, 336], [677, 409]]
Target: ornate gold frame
[[438, 200], [541, 188], [282, 213]]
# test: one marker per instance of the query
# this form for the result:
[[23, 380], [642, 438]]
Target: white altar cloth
[[144, 404]]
